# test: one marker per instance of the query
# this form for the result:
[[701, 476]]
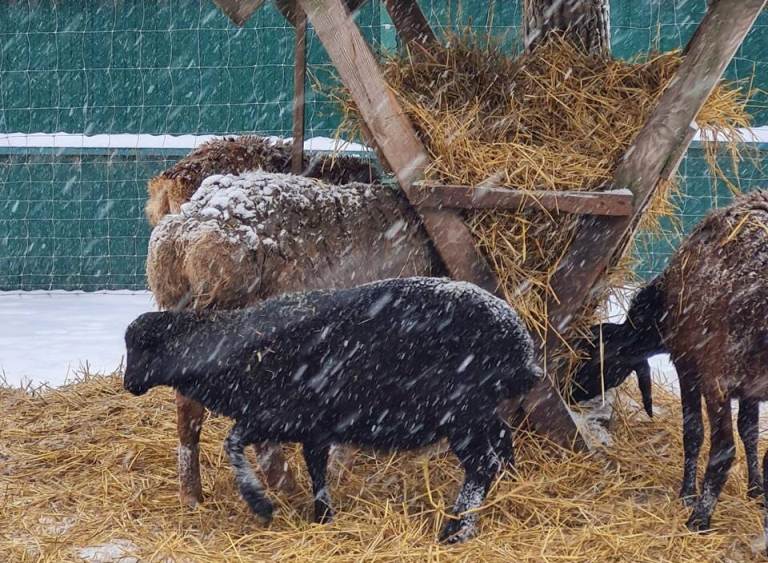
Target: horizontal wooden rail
[[612, 202]]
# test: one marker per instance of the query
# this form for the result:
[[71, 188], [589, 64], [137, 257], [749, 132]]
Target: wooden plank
[[299, 80], [286, 7], [411, 24], [600, 241], [239, 10], [611, 202], [396, 140], [676, 157]]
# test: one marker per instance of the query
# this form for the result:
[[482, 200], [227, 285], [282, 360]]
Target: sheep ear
[[643, 371]]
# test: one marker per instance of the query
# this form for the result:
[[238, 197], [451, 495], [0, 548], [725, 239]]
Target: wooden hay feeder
[[609, 218]]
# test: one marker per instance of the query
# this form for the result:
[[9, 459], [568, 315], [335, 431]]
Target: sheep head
[[617, 349], [142, 343]]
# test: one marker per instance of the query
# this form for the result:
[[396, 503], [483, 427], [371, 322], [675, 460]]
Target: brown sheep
[[709, 310], [244, 238], [233, 155]]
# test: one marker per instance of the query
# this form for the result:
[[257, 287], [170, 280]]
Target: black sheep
[[626, 347], [398, 364]]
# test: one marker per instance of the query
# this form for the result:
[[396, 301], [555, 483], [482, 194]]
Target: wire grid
[[131, 82]]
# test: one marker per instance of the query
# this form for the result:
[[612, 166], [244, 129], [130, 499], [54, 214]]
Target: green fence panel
[[153, 67], [699, 192], [75, 221], [73, 218]]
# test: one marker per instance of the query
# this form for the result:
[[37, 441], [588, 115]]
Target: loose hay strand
[[88, 464]]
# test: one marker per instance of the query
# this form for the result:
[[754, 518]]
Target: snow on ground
[[116, 551], [46, 336]]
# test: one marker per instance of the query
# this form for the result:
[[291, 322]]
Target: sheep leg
[[189, 423], [693, 432], [248, 483], [482, 455], [765, 492], [721, 454], [274, 467], [316, 458], [747, 421], [342, 458]]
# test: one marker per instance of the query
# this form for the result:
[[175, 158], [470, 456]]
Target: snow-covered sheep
[[233, 155], [242, 239], [396, 364], [709, 310]]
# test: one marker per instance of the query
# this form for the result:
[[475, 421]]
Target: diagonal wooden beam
[[654, 154], [396, 140], [411, 24], [239, 10]]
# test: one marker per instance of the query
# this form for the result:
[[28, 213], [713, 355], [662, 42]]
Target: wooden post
[[658, 147], [584, 22], [239, 10], [396, 139], [411, 24], [299, 79]]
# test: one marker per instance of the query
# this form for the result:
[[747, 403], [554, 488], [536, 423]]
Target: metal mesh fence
[[97, 96]]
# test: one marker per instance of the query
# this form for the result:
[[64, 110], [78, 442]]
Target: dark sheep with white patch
[[392, 365], [709, 310]]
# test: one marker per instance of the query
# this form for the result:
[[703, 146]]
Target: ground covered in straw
[[88, 470]]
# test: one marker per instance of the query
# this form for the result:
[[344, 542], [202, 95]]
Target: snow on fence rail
[[143, 141]]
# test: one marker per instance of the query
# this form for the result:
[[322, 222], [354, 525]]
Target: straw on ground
[[88, 464]]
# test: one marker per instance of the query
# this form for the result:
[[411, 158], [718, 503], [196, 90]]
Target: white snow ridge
[[116, 551]]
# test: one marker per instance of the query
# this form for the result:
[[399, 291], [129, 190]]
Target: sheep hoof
[[323, 516], [259, 505], [698, 523], [191, 500], [456, 531], [688, 498], [754, 491]]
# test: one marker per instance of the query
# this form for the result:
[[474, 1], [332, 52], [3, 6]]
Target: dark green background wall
[[72, 219]]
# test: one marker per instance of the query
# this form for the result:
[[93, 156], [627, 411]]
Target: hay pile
[[89, 469], [554, 120]]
